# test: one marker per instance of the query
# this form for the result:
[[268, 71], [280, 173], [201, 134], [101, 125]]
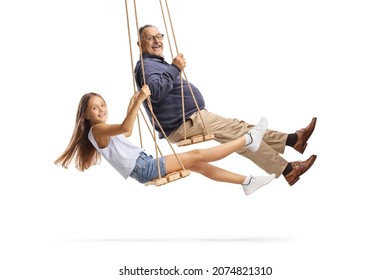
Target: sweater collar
[[148, 55]]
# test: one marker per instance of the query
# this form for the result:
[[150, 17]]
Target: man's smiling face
[[152, 41]]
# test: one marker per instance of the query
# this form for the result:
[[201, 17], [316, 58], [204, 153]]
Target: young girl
[[93, 137]]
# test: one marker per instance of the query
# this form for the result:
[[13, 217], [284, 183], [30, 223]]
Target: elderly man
[[164, 81]]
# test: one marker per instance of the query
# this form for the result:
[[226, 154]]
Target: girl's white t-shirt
[[120, 153]]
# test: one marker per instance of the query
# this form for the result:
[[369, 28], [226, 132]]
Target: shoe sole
[[293, 182], [296, 180], [304, 147]]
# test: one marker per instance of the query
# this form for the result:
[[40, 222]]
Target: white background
[[286, 60]]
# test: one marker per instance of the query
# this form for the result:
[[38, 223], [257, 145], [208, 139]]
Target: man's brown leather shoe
[[299, 168], [304, 135]]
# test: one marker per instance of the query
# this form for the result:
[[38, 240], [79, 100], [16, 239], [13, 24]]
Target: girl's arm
[[133, 103], [103, 131]]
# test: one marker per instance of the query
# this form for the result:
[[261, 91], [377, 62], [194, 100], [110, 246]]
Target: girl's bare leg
[[198, 161], [194, 157], [217, 174]]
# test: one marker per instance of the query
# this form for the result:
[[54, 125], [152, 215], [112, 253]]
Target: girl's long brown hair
[[80, 148]]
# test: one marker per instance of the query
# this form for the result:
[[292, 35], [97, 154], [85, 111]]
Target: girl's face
[[97, 110]]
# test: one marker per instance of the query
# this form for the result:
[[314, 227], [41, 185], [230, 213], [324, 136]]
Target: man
[[164, 82]]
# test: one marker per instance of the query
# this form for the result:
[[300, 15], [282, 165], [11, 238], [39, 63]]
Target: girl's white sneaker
[[256, 133], [256, 182]]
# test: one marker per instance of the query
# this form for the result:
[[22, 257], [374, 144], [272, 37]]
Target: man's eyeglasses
[[158, 37]]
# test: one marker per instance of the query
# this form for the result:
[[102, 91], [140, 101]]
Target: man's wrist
[[177, 67]]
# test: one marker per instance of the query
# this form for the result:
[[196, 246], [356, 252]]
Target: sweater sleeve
[[160, 78]]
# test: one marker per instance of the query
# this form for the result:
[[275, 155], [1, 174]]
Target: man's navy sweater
[[163, 80]]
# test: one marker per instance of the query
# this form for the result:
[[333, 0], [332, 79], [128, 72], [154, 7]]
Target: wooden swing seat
[[169, 178], [196, 139]]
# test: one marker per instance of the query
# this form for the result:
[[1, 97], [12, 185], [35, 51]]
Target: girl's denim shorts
[[146, 170]]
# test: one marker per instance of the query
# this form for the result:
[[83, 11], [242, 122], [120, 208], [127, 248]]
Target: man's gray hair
[[143, 27]]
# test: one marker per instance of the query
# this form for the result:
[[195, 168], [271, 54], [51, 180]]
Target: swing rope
[[148, 100], [132, 67], [133, 79], [149, 104], [182, 72]]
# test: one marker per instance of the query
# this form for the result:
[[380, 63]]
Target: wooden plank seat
[[169, 178], [196, 139]]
